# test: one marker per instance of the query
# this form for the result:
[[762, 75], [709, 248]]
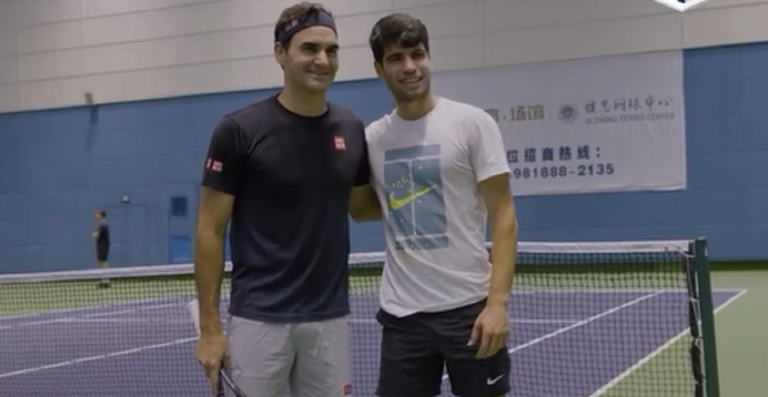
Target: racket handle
[[225, 378], [220, 388]]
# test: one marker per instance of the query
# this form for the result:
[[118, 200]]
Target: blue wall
[[57, 167]]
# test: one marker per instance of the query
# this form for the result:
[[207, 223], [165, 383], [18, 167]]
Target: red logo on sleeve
[[347, 389], [213, 165], [338, 141]]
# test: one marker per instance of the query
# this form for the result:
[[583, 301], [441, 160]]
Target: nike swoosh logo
[[490, 381], [397, 203]]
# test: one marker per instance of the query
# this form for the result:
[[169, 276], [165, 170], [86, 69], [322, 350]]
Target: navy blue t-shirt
[[289, 233]]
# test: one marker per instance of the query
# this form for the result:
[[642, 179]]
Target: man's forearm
[[503, 256], [209, 271], [370, 213], [364, 205]]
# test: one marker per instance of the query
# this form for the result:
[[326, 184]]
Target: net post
[[701, 259]]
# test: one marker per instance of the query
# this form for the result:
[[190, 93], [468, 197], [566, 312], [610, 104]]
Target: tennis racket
[[224, 377]]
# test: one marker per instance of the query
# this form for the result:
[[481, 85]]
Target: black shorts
[[102, 254], [415, 348]]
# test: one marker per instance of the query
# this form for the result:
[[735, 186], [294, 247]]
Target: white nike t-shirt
[[425, 173]]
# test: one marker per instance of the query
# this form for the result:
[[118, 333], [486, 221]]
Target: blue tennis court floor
[[563, 344]]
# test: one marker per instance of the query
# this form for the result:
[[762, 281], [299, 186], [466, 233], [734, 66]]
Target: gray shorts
[[310, 359]]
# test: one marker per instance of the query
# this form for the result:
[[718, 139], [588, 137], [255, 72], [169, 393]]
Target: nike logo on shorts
[[493, 381]]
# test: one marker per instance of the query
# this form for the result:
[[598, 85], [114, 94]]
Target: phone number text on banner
[[613, 124]]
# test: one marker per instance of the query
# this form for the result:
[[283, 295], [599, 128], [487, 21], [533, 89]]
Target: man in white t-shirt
[[440, 172]]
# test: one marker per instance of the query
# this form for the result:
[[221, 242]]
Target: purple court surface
[[563, 344]]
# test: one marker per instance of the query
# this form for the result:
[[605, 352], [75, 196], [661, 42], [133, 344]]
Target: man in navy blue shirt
[[287, 171]]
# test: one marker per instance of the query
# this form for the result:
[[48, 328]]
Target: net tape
[[363, 258]]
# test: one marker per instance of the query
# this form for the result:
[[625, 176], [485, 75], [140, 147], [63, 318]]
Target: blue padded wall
[[58, 166]]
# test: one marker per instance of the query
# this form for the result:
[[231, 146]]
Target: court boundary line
[[96, 358], [581, 323], [615, 290], [55, 312], [586, 291], [373, 292], [70, 318], [98, 318], [128, 320], [512, 321], [666, 345], [139, 303]]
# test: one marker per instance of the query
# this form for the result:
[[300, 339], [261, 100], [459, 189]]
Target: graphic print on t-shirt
[[414, 189]]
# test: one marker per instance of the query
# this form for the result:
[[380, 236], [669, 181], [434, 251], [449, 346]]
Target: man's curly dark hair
[[397, 28]]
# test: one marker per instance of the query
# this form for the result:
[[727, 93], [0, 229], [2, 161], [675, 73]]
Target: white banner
[[614, 124]]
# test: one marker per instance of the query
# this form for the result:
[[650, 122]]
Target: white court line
[[73, 318], [127, 320], [94, 358], [86, 308], [100, 319], [373, 292], [618, 291], [615, 381], [515, 292], [512, 321], [133, 310], [577, 324]]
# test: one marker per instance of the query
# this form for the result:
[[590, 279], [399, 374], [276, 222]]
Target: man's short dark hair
[[398, 28], [297, 12], [102, 213]]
